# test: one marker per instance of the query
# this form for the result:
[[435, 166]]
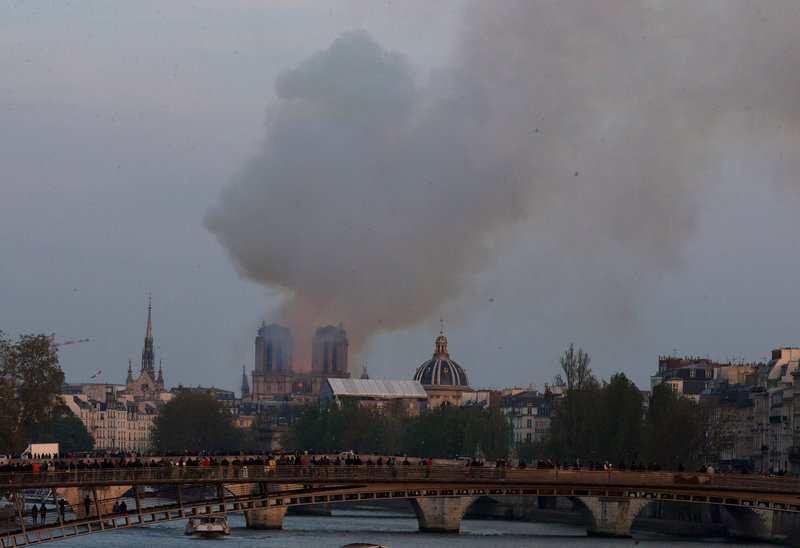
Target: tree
[[331, 427], [620, 420], [70, 433], [445, 431], [30, 389], [718, 424], [576, 369], [574, 427], [193, 422], [318, 427], [442, 432], [671, 431]]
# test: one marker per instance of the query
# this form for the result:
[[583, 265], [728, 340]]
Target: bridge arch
[[752, 524], [608, 517], [441, 515]]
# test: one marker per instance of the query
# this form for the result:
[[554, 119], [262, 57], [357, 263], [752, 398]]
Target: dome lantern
[[441, 347]]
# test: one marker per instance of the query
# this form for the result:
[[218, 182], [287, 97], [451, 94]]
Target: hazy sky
[[621, 176]]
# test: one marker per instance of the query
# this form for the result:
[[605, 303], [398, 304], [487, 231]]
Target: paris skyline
[[619, 177]]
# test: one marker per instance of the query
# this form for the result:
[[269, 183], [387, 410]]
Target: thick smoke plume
[[596, 130], [371, 195], [635, 118]]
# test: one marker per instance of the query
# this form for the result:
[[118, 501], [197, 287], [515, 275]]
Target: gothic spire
[[149, 334], [148, 356], [245, 385]]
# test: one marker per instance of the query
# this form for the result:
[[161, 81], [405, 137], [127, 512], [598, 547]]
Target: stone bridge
[[439, 494]]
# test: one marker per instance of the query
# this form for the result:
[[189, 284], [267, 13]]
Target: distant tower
[[329, 352], [148, 356], [245, 385], [129, 380], [273, 349]]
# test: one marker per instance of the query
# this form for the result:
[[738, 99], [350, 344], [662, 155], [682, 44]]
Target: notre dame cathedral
[[274, 377]]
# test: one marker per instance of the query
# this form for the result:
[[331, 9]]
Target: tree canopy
[[193, 422], [441, 432], [70, 433], [607, 422], [30, 389], [671, 434], [574, 426], [447, 432]]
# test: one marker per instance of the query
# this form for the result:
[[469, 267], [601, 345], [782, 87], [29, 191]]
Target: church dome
[[441, 370]]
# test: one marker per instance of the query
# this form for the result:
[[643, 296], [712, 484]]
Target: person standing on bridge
[[35, 514], [87, 504], [43, 513]]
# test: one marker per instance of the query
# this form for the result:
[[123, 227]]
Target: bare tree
[[574, 421], [577, 374]]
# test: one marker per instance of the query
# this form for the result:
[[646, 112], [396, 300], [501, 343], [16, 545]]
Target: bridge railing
[[392, 474], [241, 474], [662, 480]]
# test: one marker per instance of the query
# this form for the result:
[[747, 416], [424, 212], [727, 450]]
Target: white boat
[[207, 527]]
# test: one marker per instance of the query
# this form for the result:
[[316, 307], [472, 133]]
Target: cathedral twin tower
[[274, 377]]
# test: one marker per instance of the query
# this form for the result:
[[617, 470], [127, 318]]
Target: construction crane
[[54, 345]]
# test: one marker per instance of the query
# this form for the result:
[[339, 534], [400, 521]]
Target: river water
[[391, 529]]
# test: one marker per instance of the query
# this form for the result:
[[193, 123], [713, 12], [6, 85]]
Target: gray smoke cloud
[[370, 196], [586, 138], [635, 118]]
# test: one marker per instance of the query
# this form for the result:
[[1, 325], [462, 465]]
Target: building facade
[[751, 420], [120, 417], [528, 413], [274, 377]]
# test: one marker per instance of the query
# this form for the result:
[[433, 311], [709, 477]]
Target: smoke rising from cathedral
[[586, 138], [370, 196]]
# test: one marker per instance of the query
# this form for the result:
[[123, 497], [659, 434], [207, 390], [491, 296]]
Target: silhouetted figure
[[87, 504]]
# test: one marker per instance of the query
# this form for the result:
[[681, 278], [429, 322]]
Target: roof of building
[[523, 398], [81, 403], [372, 387]]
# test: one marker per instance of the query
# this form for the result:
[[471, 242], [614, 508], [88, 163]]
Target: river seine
[[389, 529]]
